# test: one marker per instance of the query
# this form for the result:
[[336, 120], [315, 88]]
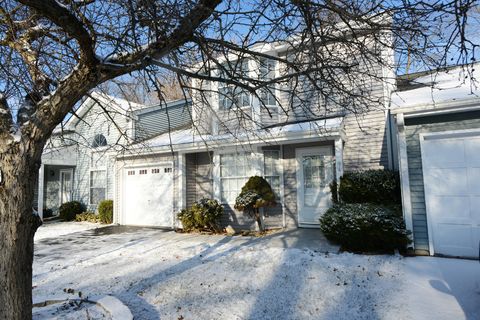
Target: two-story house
[[78, 162], [299, 143]]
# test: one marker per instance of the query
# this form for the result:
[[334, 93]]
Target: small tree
[[256, 193]]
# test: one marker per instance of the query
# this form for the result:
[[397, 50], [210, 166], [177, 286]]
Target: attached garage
[[451, 174], [147, 195]]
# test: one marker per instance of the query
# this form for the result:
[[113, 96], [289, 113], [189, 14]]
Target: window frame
[[249, 171], [90, 185], [238, 96]]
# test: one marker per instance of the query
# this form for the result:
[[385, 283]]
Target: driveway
[[165, 275]]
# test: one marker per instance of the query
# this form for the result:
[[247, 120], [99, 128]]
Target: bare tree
[[52, 53]]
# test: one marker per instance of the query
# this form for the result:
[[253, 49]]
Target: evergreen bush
[[105, 211], [203, 215], [69, 210]]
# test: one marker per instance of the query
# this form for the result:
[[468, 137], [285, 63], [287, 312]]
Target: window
[[271, 169], [99, 141], [98, 182], [267, 72], [235, 169], [230, 95]]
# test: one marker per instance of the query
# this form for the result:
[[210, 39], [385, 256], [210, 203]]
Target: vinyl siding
[[419, 216], [162, 120]]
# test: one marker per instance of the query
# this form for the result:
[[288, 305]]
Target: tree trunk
[[17, 228]]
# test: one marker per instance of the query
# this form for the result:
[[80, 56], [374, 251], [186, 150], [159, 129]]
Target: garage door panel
[[472, 147], [474, 180], [440, 153], [451, 181], [450, 209]]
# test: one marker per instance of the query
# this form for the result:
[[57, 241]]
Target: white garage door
[[451, 169], [148, 196]]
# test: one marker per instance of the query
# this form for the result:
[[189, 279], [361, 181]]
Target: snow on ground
[[164, 275], [53, 229]]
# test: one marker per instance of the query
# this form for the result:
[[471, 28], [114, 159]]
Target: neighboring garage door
[[451, 173], [148, 196]]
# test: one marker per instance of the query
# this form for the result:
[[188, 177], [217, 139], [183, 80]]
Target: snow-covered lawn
[[55, 229], [164, 275]]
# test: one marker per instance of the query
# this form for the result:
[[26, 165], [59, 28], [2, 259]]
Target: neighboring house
[[78, 162], [300, 151], [438, 129]]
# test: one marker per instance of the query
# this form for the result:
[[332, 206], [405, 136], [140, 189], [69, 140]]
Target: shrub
[[69, 210], [371, 186], [87, 216], [105, 211], [255, 194], [202, 215], [334, 191], [365, 227]]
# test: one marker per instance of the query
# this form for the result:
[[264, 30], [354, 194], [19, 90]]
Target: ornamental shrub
[[371, 186], [69, 210], [87, 216], [203, 215], [362, 227], [255, 194], [105, 211]]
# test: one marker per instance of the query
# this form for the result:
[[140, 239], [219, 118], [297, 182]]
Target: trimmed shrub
[[365, 227], [105, 211], [69, 210], [255, 194], [203, 215], [371, 186], [87, 216]]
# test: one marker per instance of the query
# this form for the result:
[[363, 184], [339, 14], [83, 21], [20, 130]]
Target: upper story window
[[266, 73], [229, 95], [99, 141]]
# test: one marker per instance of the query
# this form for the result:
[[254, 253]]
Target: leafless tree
[[53, 52]]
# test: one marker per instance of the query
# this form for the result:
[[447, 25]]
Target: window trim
[[90, 184]]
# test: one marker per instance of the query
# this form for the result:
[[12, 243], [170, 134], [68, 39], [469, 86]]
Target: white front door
[[451, 173], [315, 172], [66, 185], [148, 196]]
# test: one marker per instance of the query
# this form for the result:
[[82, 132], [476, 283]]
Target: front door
[[66, 184], [315, 172]]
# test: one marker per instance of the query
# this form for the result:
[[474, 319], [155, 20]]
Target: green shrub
[[255, 194], [87, 216], [334, 191], [105, 211], [365, 227], [69, 210], [371, 186], [202, 215]]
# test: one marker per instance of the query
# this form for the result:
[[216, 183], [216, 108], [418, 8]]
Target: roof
[[109, 102], [188, 139], [438, 87]]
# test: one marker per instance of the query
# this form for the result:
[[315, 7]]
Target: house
[[299, 148], [437, 124], [78, 162]]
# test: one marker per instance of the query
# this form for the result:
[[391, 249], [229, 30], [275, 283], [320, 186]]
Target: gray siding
[[420, 230], [199, 182], [162, 120]]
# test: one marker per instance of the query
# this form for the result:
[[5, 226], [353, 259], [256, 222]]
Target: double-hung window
[[229, 95], [235, 169], [98, 182], [271, 170], [266, 73]]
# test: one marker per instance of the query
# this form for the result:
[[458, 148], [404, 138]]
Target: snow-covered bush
[[69, 210], [256, 193], [203, 215], [362, 227], [370, 186], [105, 211]]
